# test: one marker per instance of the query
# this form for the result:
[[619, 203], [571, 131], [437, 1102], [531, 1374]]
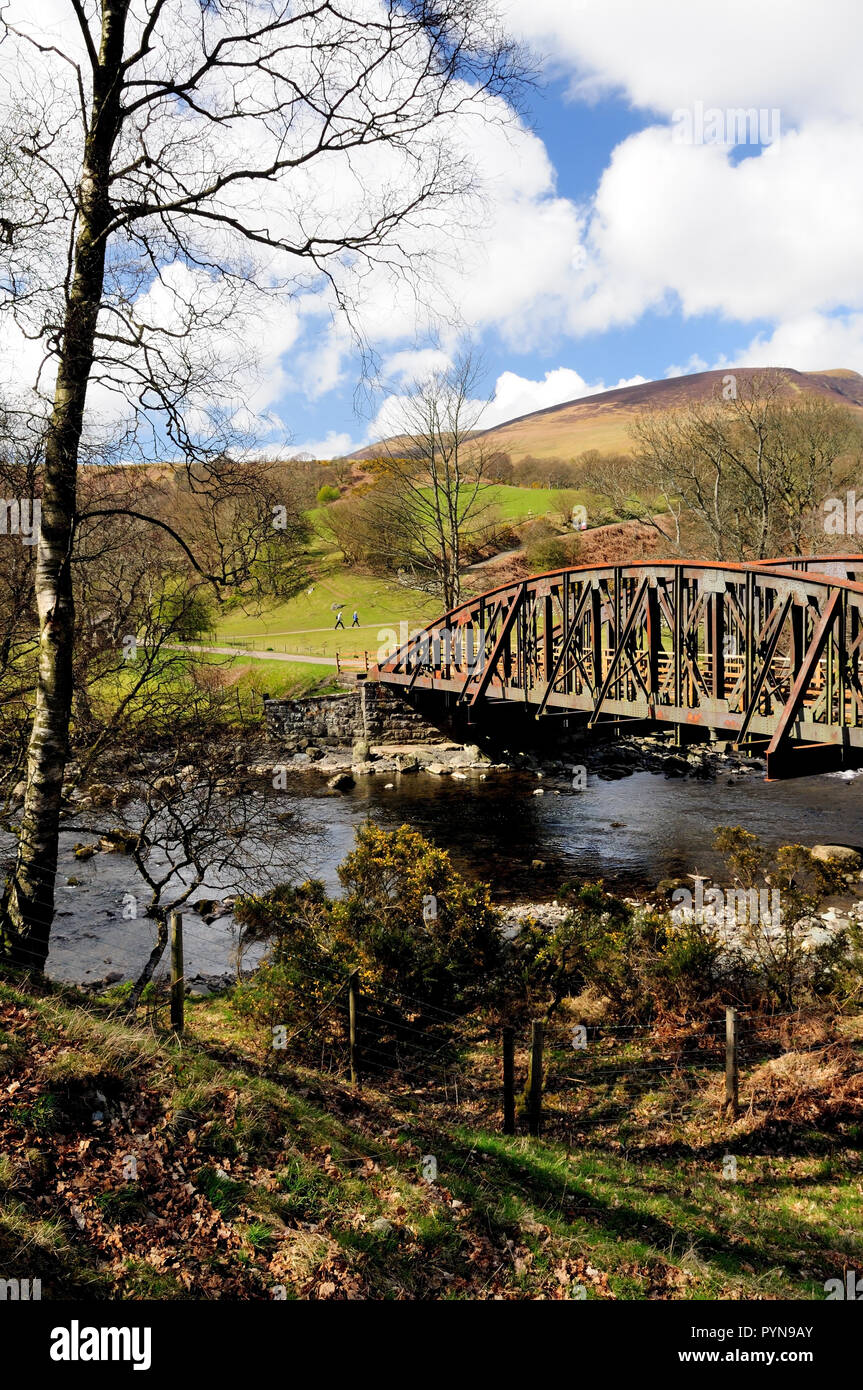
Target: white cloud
[[517, 395], [415, 364], [696, 363], [812, 342], [513, 395], [672, 53], [336, 444], [773, 236]]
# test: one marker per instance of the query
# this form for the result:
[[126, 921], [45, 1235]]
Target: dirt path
[[353, 662]]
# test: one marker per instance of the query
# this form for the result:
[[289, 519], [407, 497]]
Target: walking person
[[339, 622], [356, 621]]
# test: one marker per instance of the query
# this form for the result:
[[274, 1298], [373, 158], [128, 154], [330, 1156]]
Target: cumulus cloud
[[415, 364], [772, 236], [335, 445], [517, 395], [812, 342], [513, 395], [670, 227], [672, 53]]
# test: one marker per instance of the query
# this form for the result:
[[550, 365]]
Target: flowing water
[[631, 832]]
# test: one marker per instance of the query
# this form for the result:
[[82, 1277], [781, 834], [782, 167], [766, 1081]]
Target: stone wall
[[373, 712]]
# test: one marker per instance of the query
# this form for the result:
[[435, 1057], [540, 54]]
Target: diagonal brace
[[766, 661], [804, 675], [621, 647]]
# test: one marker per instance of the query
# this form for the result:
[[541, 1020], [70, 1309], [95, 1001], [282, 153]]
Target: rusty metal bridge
[[768, 655]]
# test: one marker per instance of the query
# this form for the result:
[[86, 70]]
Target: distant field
[[306, 624], [281, 679], [242, 680], [526, 503]]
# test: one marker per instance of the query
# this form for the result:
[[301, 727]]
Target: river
[[632, 832]]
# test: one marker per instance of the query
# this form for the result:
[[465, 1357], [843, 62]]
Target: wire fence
[[554, 1076], [562, 1078]]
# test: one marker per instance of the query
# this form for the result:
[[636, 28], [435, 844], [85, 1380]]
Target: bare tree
[[432, 503], [196, 819], [168, 167]]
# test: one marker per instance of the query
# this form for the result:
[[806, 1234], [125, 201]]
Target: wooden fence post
[[508, 1040], [731, 1067], [353, 1002], [534, 1077], [178, 981]]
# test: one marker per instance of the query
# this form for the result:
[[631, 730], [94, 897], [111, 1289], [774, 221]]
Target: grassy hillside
[[254, 1181], [305, 625]]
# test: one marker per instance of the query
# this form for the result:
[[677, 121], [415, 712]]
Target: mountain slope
[[603, 421]]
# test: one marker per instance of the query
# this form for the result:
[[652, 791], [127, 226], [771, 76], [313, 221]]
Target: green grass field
[[388, 611], [306, 624], [279, 679], [520, 504]]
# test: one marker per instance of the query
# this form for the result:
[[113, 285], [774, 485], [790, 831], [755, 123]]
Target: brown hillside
[[603, 421]]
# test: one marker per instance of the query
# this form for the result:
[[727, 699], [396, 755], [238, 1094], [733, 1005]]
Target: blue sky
[[688, 253], [682, 192]]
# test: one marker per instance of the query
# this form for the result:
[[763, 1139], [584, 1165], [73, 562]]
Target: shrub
[[328, 493], [551, 554], [632, 956], [779, 963], [422, 938], [415, 923]]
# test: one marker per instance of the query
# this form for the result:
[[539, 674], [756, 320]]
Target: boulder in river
[[840, 855], [675, 767], [118, 842]]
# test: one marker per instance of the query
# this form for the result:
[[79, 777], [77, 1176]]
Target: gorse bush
[[781, 963], [424, 941], [416, 924], [633, 958]]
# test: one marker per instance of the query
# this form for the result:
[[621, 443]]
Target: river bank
[[609, 759]]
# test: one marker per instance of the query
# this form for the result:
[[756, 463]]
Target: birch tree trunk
[[29, 907]]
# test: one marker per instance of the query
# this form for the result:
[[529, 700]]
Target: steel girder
[[771, 651]]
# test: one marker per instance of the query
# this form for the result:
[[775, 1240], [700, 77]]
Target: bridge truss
[[768, 654]]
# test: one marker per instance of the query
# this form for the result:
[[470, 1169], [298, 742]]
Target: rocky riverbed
[[659, 753]]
